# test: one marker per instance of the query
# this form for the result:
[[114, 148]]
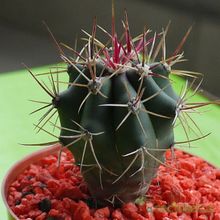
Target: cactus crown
[[118, 111]]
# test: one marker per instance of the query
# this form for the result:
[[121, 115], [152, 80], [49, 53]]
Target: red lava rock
[[216, 216], [130, 211], [187, 165], [184, 217], [117, 215], [82, 212], [160, 213], [102, 214], [188, 188]]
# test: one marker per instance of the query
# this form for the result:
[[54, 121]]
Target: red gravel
[[189, 190]]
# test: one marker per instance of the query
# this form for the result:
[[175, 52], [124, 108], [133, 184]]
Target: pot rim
[[18, 167]]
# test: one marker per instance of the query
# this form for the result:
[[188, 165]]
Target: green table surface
[[16, 125]]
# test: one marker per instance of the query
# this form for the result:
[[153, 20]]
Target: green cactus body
[[119, 141], [117, 115], [162, 79]]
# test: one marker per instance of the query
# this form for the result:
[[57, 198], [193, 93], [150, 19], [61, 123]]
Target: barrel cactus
[[118, 111]]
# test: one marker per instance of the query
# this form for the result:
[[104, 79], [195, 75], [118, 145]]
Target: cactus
[[118, 111]]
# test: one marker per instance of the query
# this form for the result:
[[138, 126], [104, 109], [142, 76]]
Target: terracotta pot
[[18, 168]]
